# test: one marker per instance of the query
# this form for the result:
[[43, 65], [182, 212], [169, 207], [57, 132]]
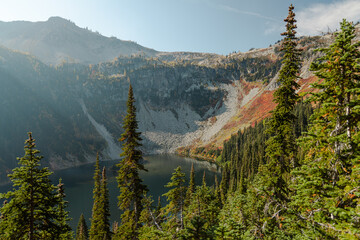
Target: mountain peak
[[57, 20], [59, 39]]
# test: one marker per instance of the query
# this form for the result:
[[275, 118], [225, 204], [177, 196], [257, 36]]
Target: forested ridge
[[295, 175]]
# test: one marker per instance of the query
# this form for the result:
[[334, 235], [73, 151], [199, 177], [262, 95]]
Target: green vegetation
[[100, 226], [34, 209], [130, 184], [295, 175], [273, 177], [327, 184], [176, 198], [82, 229]]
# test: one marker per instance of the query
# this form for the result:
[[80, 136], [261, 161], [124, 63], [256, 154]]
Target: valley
[[185, 101]]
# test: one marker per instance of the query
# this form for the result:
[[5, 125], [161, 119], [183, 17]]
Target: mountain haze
[[57, 40], [185, 101]]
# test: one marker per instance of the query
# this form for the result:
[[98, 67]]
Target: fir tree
[[217, 190], [327, 185], [271, 184], [96, 209], [204, 205], [281, 146], [204, 179], [191, 187], [176, 196], [63, 214], [82, 230], [100, 225], [129, 182], [31, 211], [104, 228], [197, 229]]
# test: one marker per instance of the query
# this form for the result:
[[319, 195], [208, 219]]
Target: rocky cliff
[[185, 101]]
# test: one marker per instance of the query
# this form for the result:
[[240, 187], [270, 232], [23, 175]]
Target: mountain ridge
[[185, 101], [57, 40]]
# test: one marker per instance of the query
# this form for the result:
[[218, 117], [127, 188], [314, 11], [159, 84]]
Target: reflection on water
[[79, 182]]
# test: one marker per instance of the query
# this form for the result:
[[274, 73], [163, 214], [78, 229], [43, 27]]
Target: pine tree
[[100, 225], [206, 206], [197, 229], [281, 146], [191, 187], [31, 211], [96, 209], [224, 185], [217, 190], [104, 228], [129, 182], [63, 214], [272, 181], [176, 196], [82, 230], [327, 185], [204, 179]]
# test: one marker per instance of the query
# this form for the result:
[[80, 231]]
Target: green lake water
[[79, 182]]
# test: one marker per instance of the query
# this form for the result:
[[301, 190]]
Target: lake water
[[79, 182]]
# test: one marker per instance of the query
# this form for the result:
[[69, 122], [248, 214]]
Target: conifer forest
[[293, 175]]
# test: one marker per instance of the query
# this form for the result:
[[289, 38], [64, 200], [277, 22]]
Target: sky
[[213, 26]]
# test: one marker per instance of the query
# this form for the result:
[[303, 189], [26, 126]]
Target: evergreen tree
[[104, 228], [176, 197], [96, 209], [82, 230], [271, 184], [327, 185], [217, 190], [100, 225], [63, 214], [191, 187], [205, 206], [204, 179], [197, 229], [281, 146], [151, 219], [224, 185], [31, 211], [129, 182], [232, 221]]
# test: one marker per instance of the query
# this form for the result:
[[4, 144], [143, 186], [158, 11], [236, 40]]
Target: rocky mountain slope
[[185, 101], [57, 40]]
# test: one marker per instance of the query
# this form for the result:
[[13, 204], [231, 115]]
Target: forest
[[295, 175]]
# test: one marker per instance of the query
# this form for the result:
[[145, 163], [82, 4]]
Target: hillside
[[186, 102], [57, 40], [254, 95]]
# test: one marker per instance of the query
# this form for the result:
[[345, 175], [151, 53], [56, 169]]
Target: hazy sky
[[218, 26]]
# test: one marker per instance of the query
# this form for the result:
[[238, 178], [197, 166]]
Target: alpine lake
[[79, 182]]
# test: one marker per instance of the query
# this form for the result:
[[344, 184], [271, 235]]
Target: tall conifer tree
[[281, 146], [31, 211], [82, 230], [100, 225], [176, 196], [96, 209], [104, 228], [328, 184], [129, 182], [191, 188], [63, 214], [271, 183]]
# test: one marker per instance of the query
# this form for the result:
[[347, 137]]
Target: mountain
[[57, 40], [186, 102]]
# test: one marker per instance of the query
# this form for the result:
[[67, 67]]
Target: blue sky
[[215, 26]]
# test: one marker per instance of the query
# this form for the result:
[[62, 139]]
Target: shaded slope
[[57, 40]]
